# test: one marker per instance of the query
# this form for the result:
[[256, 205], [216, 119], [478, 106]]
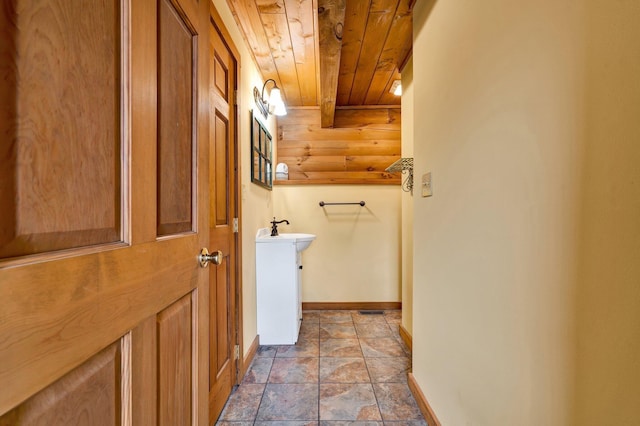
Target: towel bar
[[322, 204]]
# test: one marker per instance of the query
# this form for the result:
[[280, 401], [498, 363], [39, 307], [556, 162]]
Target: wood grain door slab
[[104, 169], [224, 207]]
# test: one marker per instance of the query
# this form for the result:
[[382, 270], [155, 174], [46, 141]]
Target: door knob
[[205, 257]]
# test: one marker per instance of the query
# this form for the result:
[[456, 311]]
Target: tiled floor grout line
[[366, 364], [264, 390], [389, 380]]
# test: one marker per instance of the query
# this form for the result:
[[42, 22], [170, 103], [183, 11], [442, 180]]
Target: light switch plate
[[427, 188]]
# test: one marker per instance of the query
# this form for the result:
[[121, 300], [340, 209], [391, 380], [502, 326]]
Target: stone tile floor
[[347, 368]]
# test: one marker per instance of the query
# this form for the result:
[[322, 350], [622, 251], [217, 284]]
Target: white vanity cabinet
[[279, 288]]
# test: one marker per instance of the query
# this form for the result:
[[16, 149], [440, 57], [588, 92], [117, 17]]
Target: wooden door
[[103, 172], [223, 183]]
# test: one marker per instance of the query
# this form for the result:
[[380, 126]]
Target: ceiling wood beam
[[331, 26]]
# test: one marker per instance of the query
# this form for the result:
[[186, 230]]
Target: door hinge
[[235, 225], [235, 97], [236, 352]]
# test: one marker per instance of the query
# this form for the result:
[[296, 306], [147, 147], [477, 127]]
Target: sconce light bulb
[[276, 104]]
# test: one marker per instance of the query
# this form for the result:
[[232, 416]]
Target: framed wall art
[[261, 149]]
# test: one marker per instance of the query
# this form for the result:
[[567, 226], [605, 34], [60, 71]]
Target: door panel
[[88, 395], [221, 169], [174, 363], [175, 120], [60, 308], [223, 366], [55, 193], [221, 78]]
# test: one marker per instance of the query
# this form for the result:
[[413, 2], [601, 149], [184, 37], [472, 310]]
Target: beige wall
[[498, 115], [356, 255], [256, 201], [526, 264], [608, 358], [407, 200]]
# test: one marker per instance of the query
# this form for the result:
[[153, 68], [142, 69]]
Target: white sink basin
[[302, 241]]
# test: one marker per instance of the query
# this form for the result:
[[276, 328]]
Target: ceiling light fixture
[[273, 104], [396, 88]]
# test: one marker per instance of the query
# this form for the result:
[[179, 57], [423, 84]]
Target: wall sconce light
[[396, 88], [274, 104]]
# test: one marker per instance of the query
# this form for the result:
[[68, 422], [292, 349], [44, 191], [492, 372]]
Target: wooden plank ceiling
[[328, 53]]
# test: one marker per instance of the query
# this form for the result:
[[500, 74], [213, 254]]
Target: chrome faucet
[[274, 226]]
